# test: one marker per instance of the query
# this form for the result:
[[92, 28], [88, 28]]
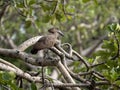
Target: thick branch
[[20, 73], [66, 74], [27, 58]]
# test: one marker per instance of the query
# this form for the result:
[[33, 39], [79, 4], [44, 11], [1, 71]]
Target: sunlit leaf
[[113, 74], [46, 18], [117, 82]]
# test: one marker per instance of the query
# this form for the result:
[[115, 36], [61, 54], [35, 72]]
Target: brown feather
[[47, 41]]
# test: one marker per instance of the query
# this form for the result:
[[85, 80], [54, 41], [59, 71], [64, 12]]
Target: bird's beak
[[60, 33]]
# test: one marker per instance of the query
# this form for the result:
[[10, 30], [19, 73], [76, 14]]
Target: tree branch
[[39, 61]]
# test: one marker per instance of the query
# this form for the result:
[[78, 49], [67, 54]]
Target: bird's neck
[[56, 35]]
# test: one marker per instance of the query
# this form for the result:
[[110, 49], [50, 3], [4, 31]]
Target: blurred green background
[[84, 23]]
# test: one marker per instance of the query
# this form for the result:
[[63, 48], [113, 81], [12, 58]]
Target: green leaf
[[46, 18], [114, 27], [113, 74], [85, 1], [96, 2], [70, 9], [1, 75], [33, 86], [32, 2], [12, 74], [69, 17], [90, 60], [20, 5], [58, 16], [6, 76], [45, 7], [110, 28], [117, 82], [27, 24], [13, 86], [53, 20]]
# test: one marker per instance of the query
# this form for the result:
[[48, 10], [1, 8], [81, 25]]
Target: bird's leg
[[43, 78], [43, 69]]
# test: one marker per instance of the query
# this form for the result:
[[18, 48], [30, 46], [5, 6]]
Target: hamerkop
[[47, 41]]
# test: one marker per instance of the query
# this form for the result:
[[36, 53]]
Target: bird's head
[[55, 30]]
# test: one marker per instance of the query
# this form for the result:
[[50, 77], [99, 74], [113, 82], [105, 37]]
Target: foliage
[[83, 22], [7, 81], [110, 55]]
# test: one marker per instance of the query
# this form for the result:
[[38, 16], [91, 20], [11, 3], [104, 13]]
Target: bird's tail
[[34, 51]]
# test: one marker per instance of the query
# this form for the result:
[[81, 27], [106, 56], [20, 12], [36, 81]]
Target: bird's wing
[[43, 39], [40, 43]]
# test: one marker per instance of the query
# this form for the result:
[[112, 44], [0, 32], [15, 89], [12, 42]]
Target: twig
[[20, 12], [95, 65], [10, 42], [55, 8], [82, 59], [99, 77], [70, 57], [69, 48], [85, 73], [63, 8], [78, 77]]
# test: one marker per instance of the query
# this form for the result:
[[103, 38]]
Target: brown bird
[[47, 41]]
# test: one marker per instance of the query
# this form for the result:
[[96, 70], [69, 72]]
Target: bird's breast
[[46, 43]]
